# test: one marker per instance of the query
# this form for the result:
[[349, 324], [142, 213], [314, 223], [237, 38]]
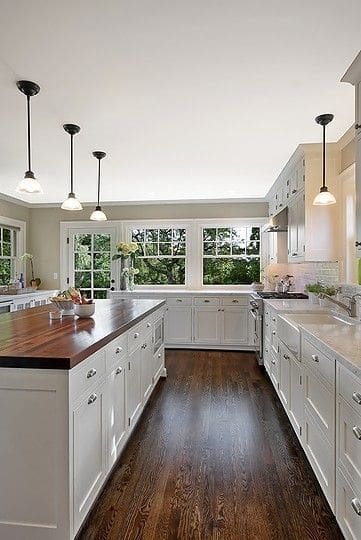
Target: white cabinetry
[[178, 327], [147, 366], [134, 388], [206, 324], [26, 301], [284, 376], [296, 229]]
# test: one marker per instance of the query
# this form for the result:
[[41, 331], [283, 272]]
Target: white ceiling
[[191, 99]]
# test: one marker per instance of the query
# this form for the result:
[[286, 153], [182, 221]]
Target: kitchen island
[[71, 392]]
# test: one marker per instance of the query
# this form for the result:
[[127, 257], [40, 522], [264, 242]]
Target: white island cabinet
[[64, 427]]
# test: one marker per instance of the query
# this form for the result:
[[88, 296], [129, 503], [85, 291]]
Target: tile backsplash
[[303, 273]]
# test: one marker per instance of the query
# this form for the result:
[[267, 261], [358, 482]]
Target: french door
[[90, 260]]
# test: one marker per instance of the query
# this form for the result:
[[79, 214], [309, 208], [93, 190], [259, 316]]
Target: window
[[91, 263], [161, 256], [8, 242], [231, 255]]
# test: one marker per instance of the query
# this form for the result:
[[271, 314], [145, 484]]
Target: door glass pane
[[82, 280]]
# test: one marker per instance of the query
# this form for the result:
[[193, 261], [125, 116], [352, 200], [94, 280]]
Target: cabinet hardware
[[356, 505], [159, 355], [149, 324], [129, 366], [206, 301], [118, 370], [357, 244], [301, 380], [234, 301], [91, 373], [294, 254], [273, 361], [218, 310], [357, 126], [179, 300], [136, 335], [294, 191], [92, 398], [315, 358], [356, 397], [118, 350], [357, 432], [144, 346], [128, 421], [273, 332], [286, 357], [280, 205], [274, 319], [300, 431]]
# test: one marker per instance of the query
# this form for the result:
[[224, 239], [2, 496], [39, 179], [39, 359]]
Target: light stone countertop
[[169, 292], [10, 297], [294, 306]]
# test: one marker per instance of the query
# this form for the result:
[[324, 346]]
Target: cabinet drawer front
[[349, 436], [137, 334], [89, 372], [350, 388], [348, 504], [321, 456], [275, 367], [207, 301], [116, 351], [320, 402], [179, 301], [318, 361], [235, 301]]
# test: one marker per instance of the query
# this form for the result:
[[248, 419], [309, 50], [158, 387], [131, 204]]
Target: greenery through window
[[231, 255], [7, 254], [92, 263], [161, 256]]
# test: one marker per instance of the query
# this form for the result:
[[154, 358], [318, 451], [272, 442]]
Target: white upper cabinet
[[353, 76]]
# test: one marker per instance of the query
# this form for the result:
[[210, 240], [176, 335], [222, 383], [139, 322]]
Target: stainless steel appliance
[[256, 312]]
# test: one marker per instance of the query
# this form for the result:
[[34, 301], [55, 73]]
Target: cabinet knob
[[356, 505], [136, 335], [149, 324], [357, 397], [144, 346], [274, 319], [118, 350], [92, 398], [118, 370], [357, 126], [91, 373], [179, 300], [357, 432], [286, 357], [273, 332], [294, 191], [234, 301], [357, 244], [294, 254], [315, 358], [159, 355], [206, 301]]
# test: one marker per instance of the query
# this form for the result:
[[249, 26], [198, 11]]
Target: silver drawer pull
[[356, 397], [118, 350], [136, 335], [286, 357], [274, 319], [149, 324], [356, 505], [357, 432], [91, 373], [273, 361], [206, 301], [234, 301], [92, 398], [179, 300], [118, 370], [273, 332], [159, 355], [144, 346], [315, 358]]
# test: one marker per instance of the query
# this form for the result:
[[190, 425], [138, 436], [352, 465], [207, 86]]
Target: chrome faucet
[[350, 308]]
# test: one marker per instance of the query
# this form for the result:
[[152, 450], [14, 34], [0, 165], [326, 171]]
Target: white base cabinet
[[66, 429]]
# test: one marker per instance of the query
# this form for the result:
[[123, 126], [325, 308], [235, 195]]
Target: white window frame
[[19, 266]]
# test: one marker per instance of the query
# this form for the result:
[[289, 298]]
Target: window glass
[[7, 254]]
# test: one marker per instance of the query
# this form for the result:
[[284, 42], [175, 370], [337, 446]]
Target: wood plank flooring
[[213, 457]]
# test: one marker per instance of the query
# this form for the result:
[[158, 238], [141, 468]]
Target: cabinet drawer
[[320, 402], [348, 508], [85, 375], [321, 456], [349, 388], [235, 301], [275, 370], [349, 441], [116, 350], [318, 361], [207, 301], [135, 336], [179, 301]]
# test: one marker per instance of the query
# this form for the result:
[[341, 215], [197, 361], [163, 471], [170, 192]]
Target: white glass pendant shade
[[29, 184], [324, 198], [98, 215], [71, 203]]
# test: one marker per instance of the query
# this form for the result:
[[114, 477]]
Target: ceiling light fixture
[[71, 203], [324, 198], [29, 184], [98, 214]]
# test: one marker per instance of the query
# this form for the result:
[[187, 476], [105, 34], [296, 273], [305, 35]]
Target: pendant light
[[71, 203], [29, 184], [98, 214], [324, 198]]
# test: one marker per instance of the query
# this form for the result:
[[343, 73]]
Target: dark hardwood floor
[[213, 457]]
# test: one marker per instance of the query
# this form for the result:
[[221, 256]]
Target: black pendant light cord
[[71, 163], [29, 134], [324, 157], [98, 181]]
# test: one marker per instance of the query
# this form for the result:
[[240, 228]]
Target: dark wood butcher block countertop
[[29, 339]]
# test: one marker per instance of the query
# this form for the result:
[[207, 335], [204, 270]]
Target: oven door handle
[[254, 314]]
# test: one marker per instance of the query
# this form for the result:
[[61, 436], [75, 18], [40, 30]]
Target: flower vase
[[131, 283], [124, 279]]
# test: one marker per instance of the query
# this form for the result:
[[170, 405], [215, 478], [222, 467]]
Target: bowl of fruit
[[69, 299]]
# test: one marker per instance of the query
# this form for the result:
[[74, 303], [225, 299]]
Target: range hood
[[278, 223]]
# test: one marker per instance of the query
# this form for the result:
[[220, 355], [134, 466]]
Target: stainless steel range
[[256, 311]]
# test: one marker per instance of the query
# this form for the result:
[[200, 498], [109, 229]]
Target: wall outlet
[[55, 275]]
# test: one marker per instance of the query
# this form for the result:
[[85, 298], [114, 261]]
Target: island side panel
[[34, 454]]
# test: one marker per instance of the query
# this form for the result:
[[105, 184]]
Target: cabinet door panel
[[347, 501], [89, 452], [133, 386], [320, 402], [296, 397], [116, 412], [349, 438], [206, 325], [178, 327], [147, 367], [285, 376], [235, 325]]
